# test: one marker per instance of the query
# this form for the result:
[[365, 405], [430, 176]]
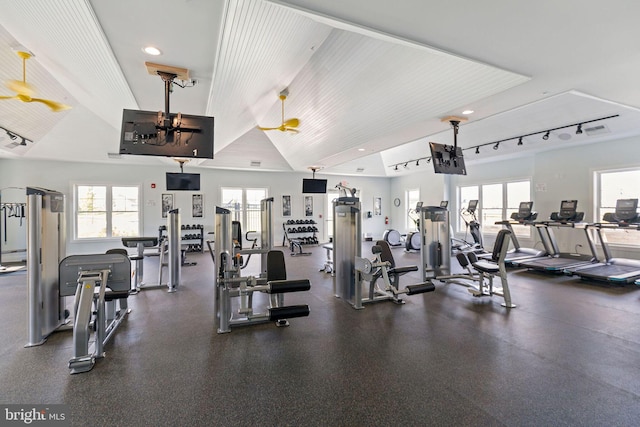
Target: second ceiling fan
[[289, 125]]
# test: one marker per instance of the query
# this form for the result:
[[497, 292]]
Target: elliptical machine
[[412, 240], [472, 227]]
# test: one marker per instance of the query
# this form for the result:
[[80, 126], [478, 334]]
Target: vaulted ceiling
[[370, 82]]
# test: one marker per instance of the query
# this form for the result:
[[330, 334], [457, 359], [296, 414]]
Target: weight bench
[[140, 243]]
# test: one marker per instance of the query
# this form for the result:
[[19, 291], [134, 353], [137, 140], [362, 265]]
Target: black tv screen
[[314, 185], [148, 133], [447, 160], [183, 181]]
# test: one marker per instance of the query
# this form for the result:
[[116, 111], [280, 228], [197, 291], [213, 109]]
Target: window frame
[[598, 209], [242, 214], [108, 210], [521, 231]]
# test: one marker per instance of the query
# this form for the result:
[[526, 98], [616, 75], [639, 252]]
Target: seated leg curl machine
[[230, 284], [101, 285], [383, 266]]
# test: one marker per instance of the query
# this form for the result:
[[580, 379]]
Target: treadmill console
[[568, 212], [625, 212], [524, 212]]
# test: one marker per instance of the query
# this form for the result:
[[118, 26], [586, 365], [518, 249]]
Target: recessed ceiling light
[[467, 112], [361, 149], [151, 50]]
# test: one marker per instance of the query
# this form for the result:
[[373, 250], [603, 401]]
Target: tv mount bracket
[[455, 123], [165, 120]]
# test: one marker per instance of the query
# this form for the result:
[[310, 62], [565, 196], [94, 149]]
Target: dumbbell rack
[[191, 236], [303, 229]]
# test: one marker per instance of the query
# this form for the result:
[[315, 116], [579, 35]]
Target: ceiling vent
[[360, 170], [597, 130], [255, 163], [114, 155]]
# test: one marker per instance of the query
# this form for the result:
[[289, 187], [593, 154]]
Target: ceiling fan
[[24, 90], [289, 125]]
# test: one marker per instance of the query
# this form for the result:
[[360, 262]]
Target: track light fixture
[[418, 162], [396, 168], [496, 144], [14, 136], [406, 165]]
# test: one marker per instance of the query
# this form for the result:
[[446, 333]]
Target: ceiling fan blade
[[292, 123], [292, 130], [55, 106], [261, 128], [9, 97], [19, 87]]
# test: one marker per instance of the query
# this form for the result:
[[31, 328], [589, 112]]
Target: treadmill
[[614, 270], [556, 261], [524, 216]]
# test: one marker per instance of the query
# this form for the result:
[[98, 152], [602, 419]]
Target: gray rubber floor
[[569, 354]]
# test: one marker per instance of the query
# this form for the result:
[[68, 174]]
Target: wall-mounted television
[[446, 159], [314, 185], [149, 133], [178, 181]]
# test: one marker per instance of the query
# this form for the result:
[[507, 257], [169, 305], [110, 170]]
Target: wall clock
[[396, 202]]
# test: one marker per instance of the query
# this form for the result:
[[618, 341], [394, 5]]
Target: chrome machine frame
[[230, 284]]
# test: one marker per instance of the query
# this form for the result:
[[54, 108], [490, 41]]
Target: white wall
[[60, 176], [432, 192]]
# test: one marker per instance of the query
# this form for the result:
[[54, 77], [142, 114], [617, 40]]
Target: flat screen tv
[[314, 185], [446, 159], [149, 133], [183, 181]]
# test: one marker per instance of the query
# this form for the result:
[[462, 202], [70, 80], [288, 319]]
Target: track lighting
[[14, 136], [496, 144], [396, 168]]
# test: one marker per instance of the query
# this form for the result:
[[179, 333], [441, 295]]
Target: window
[[105, 211], [412, 197], [244, 204], [611, 186], [497, 202], [332, 194]]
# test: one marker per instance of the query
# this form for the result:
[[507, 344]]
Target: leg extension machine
[[383, 266]]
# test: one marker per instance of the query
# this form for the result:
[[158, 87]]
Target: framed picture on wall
[[197, 206], [286, 205], [377, 206], [308, 205], [167, 203]]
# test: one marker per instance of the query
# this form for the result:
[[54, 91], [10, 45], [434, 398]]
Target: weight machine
[[435, 256], [383, 267], [271, 281], [46, 246], [101, 285]]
